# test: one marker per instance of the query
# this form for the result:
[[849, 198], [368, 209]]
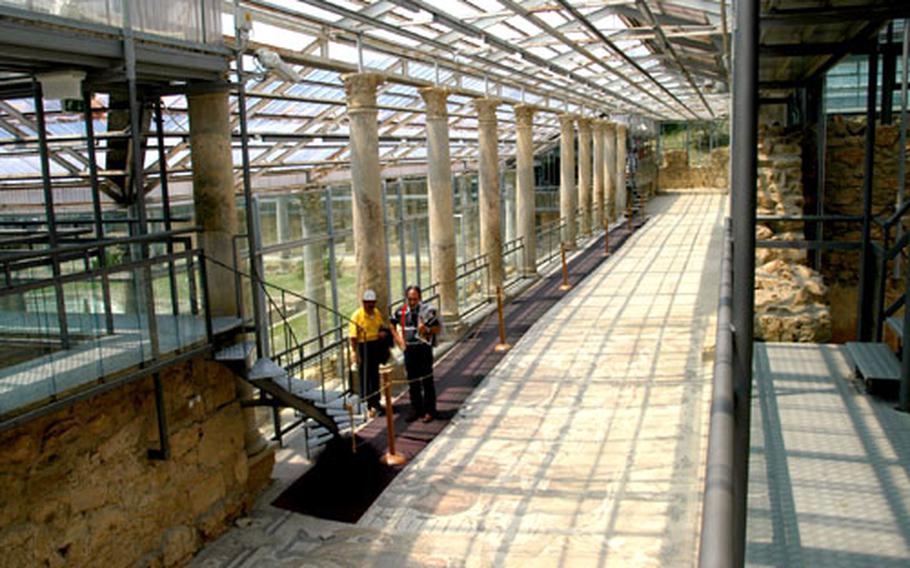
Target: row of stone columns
[[600, 196], [599, 172]]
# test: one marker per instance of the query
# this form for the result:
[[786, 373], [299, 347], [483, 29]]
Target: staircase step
[[265, 368], [874, 361], [236, 353], [332, 398], [300, 387]]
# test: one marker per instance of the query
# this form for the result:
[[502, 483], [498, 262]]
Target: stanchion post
[[565, 269], [390, 457], [606, 238], [502, 345]]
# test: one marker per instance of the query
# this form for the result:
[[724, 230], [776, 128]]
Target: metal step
[[240, 353], [265, 368], [300, 387], [874, 361], [279, 392]]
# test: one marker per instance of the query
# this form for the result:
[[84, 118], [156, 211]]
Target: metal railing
[[472, 280], [719, 509], [549, 237], [76, 302], [513, 260]]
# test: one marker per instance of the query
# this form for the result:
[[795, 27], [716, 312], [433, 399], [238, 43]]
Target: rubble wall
[[675, 172], [844, 196], [77, 488], [790, 298]]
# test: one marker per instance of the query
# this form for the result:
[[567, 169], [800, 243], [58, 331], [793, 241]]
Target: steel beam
[[864, 317], [622, 54], [743, 174], [668, 47]]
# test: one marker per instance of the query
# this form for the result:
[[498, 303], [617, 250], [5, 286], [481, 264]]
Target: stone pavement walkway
[[583, 447]]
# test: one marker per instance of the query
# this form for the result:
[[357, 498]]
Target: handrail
[[104, 243], [281, 289], [718, 513]]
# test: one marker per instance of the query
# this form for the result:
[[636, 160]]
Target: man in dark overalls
[[419, 327]]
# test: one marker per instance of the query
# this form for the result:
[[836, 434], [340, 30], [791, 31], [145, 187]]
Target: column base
[[452, 326], [259, 470]]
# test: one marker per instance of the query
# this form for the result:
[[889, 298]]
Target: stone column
[[440, 198], [312, 224], [567, 195], [609, 172], [366, 187], [213, 193], [508, 202], [490, 231], [599, 175], [524, 194], [584, 174], [282, 223], [216, 213], [621, 194]]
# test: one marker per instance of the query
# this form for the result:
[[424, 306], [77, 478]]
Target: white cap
[[369, 296]]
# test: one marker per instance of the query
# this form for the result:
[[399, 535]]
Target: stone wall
[[844, 196], [79, 490], [675, 172], [790, 298]]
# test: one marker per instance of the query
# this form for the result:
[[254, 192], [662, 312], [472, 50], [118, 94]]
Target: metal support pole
[[866, 275], [889, 69], [50, 214], [904, 397], [137, 177], [821, 145], [260, 316], [166, 203], [333, 282], [252, 236], [383, 187], [402, 253], [744, 167], [902, 156], [96, 210], [164, 451]]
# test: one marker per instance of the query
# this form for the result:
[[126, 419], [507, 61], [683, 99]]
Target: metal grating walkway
[[829, 473]]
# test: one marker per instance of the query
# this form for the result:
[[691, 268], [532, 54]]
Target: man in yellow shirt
[[369, 331]]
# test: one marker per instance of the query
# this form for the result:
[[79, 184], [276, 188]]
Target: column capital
[[598, 125], [621, 128], [486, 108], [585, 123], [609, 127], [435, 100], [524, 114], [360, 89], [567, 120]]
